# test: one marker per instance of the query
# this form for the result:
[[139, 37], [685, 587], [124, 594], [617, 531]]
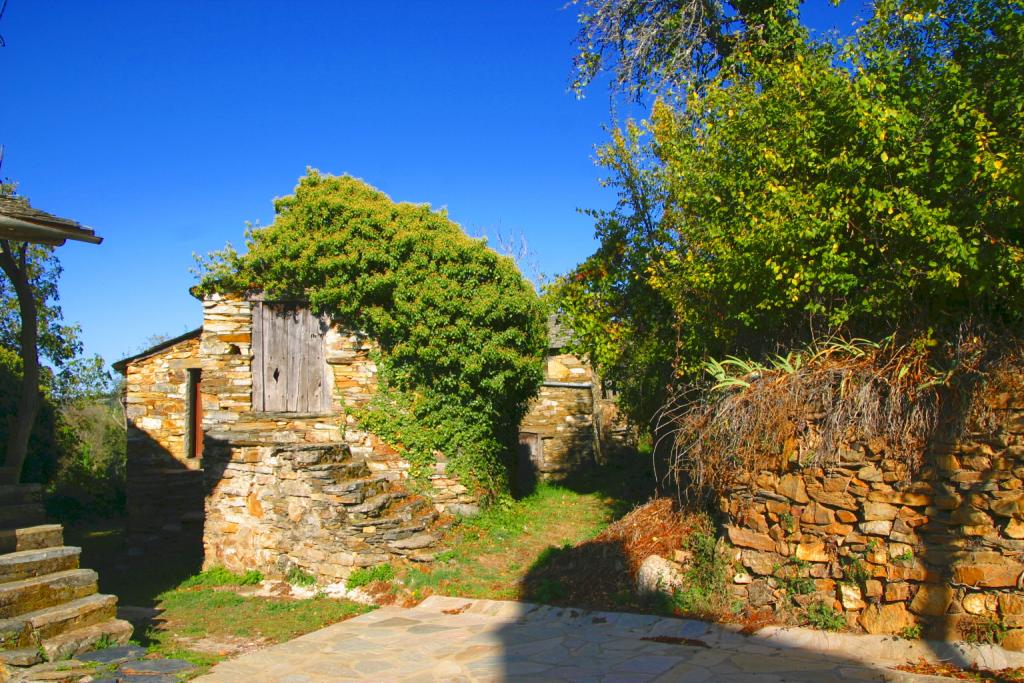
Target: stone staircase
[[50, 608], [315, 507]]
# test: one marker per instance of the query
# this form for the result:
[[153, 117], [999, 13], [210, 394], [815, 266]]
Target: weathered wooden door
[[289, 370]]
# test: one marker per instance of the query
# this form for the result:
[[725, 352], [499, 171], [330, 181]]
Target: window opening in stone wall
[[289, 371], [194, 417], [608, 391]]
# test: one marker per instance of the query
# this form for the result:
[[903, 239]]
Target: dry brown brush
[[808, 406]]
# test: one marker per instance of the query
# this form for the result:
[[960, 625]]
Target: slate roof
[[20, 221]]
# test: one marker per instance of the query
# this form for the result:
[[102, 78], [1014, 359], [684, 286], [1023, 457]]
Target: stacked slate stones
[[315, 507], [49, 607]]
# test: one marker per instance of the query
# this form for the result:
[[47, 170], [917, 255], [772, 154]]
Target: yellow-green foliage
[[461, 331], [813, 188]]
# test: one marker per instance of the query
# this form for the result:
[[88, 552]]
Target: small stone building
[[574, 421], [245, 427]]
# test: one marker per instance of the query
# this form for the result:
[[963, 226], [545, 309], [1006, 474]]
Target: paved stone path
[[457, 639], [118, 664]]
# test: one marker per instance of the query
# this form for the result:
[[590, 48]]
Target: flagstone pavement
[[458, 639]]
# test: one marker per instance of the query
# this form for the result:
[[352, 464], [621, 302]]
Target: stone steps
[[375, 505], [49, 607], [25, 564], [69, 644], [49, 622], [31, 538], [355, 491], [84, 639], [27, 595]]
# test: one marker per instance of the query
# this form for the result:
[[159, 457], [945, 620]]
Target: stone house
[[241, 432], [574, 421]]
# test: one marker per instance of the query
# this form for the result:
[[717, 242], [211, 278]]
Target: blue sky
[[167, 125]]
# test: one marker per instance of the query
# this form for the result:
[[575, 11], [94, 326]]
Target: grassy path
[[491, 554]]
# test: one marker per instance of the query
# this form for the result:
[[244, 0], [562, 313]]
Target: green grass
[[301, 578], [491, 553], [367, 575], [219, 576], [197, 610], [488, 556]]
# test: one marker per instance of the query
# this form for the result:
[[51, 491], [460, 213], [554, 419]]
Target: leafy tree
[[617, 317], [31, 323], [83, 380], [71, 437], [863, 188], [662, 46], [461, 332]]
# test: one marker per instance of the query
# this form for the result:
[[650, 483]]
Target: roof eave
[[41, 232]]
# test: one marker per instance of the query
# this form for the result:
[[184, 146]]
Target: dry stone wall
[[574, 424], [312, 491], [312, 507], [941, 549], [156, 389], [164, 484]]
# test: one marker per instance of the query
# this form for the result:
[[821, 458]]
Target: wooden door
[[290, 373]]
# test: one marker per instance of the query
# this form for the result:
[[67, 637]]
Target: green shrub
[[221, 576], [824, 617], [704, 590], [299, 577], [813, 187], [461, 332], [855, 570], [367, 575], [912, 632], [549, 590], [793, 578]]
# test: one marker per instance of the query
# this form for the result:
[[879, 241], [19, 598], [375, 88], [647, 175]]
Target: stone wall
[[155, 400], [940, 548], [314, 491], [164, 485], [573, 423]]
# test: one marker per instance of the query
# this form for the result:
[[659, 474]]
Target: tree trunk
[[14, 265]]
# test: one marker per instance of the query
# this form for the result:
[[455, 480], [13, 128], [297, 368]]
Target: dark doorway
[[194, 429], [530, 455]]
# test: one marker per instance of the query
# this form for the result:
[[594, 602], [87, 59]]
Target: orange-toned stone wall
[[577, 426], [155, 397], [314, 491], [164, 484], [941, 548]]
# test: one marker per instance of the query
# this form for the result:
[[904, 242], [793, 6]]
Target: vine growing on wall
[[461, 332]]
